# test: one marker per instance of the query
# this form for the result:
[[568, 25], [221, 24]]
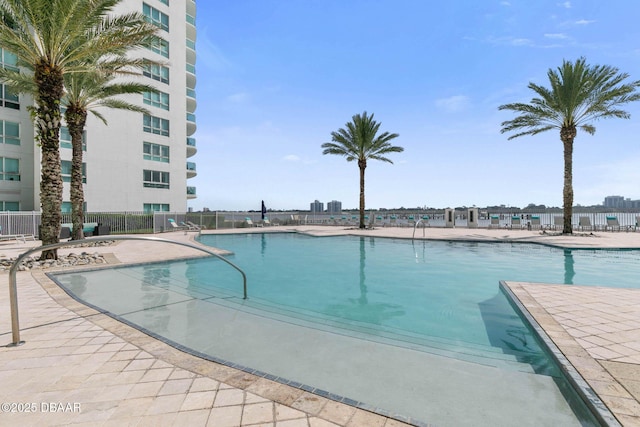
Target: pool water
[[417, 328]]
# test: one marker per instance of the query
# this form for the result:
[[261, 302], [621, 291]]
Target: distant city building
[[317, 207], [334, 207], [619, 202]]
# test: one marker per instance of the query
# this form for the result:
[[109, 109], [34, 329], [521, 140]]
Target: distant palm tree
[[51, 38], [359, 141], [85, 92], [579, 95]]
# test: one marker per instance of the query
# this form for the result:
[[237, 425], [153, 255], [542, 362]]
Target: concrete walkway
[[81, 367]]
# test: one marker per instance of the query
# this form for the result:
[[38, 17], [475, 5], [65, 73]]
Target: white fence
[[158, 222]]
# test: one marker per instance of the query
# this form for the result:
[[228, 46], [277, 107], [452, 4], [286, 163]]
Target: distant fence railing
[[138, 222]]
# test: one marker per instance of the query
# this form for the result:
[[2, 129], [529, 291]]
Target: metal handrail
[[13, 292], [416, 226]]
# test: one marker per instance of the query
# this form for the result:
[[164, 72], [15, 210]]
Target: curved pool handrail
[[416, 226], [13, 292]]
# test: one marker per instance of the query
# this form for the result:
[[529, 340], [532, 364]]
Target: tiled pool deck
[[81, 367]]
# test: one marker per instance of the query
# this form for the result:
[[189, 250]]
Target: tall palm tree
[[84, 92], [579, 95], [50, 39], [359, 141]]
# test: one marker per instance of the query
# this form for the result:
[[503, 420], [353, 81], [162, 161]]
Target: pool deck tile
[[80, 367]]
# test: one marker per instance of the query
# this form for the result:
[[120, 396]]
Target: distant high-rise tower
[[334, 207], [136, 162], [317, 207]]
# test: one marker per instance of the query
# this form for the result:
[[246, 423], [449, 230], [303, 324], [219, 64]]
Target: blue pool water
[[369, 319]]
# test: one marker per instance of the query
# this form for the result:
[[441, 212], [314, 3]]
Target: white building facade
[[136, 162]]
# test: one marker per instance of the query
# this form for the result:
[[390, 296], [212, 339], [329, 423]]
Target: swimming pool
[[414, 328]]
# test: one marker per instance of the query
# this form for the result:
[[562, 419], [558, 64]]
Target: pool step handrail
[[416, 226], [13, 292]]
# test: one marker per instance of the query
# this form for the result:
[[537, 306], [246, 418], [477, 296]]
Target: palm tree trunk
[[76, 120], [362, 164], [47, 123], [567, 134]]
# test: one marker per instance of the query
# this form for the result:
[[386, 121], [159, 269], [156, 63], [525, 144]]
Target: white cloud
[[521, 42], [584, 22], [505, 3], [454, 104], [238, 98], [566, 5], [291, 158], [557, 36]]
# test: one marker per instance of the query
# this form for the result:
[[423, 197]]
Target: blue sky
[[276, 77]]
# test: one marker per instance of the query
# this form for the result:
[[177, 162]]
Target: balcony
[[191, 101], [191, 26], [191, 193], [191, 147], [191, 52], [191, 76], [191, 124], [191, 170]]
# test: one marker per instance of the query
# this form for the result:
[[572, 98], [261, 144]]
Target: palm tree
[[359, 141], [579, 95], [84, 93], [51, 38]]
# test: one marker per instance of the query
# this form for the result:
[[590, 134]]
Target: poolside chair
[[195, 226], [174, 225], [612, 224], [266, 222], [584, 223], [516, 222], [393, 221], [249, 222], [189, 227], [495, 221]]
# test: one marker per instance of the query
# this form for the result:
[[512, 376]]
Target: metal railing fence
[[139, 222]]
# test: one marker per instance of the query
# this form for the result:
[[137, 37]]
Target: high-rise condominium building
[[316, 207], [136, 162], [334, 207]]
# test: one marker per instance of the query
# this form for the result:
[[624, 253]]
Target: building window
[[155, 179], [165, 2], [9, 132], [66, 207], [8, 99], [9, 206], [155, 152], [153, 124], [156, 207], [155, 17], [65, 138], [65, 166], [156, 72], [8, 60], [9, 169], [160, 46], [156, 99]]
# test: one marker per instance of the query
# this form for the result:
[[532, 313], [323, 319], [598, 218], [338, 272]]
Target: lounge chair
[[174, 225], [612, 224], [584, 223], [195, 226], [393, 221], [516, 222], [266, 222], [249, 222], [495, 221], [188, 226]]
